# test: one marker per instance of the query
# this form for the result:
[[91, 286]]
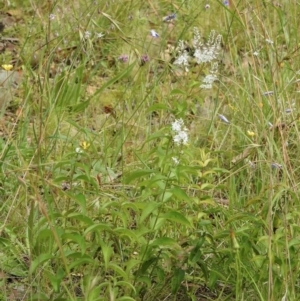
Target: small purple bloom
[[169, 17], [226, 3], [144, 59], [288, 111], [123, 58], [276, 166]]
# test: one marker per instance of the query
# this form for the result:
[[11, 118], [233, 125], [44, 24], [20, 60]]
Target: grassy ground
[[145, 167]]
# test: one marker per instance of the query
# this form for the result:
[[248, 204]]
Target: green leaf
[[11, 265], [215, 275], [145, 266], [81, 217], [204, 267], [259, 260], [4, 242], [157, 135], [84, 178], [126, 284], [94, 294], [118, 270], [293, 242], [177, 279], [82, 262], [160, 274], [177, 217], [44, 242], [115, 79], [148, 209], [165, 242], [166, 196], [126, 232], [107, 252], [81, 200], [138, 174], [39, 261], [56, 279], [132, 264], [79, 107], [77, 238], [146, 280], [44, 234], [242, 216], [157, 107], [177, 91], [180, 194], [97, 227]]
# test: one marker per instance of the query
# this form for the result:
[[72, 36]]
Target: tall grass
[[99, 202]]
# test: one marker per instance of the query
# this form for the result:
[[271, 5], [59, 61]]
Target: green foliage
[[102, 198]]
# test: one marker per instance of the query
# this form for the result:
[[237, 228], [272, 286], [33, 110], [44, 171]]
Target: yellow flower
[[250, 133], [85, 145], [7, 67], [233, 108]]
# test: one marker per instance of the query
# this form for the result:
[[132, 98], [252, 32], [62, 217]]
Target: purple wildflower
[[123, 58]]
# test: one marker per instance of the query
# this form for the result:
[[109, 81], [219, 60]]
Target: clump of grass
[[150, 155]]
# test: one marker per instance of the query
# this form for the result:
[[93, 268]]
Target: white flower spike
[[209, 51], [181, 135], [183, 58]]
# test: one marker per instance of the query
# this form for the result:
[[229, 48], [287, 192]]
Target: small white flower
[[87, 34], [100, 35], [52, 17], [78, 150], [269, 41], [276, 166], [175, 160], [209, 51], [207, 6], [177, 125], [183, 58], [154, 34], [210, 78], [256, 53], [208, 81], [223, 118], [267, 93], [250, 163], [181, 136]]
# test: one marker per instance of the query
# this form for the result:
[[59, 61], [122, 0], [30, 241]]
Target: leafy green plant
[[149, 152]]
